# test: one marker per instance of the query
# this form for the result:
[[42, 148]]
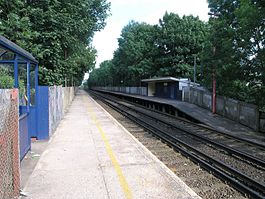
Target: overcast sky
[[149, 11]]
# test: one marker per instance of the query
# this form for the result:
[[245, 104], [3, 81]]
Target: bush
[[6, 81]]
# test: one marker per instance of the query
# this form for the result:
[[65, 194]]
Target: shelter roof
[[165, 79], [9, 45]]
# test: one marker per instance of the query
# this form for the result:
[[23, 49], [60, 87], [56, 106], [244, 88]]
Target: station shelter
[[166, 87], [19, 65]]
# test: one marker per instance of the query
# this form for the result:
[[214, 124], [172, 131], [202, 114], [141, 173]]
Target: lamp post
[[194, 68], [215, 15], [214, 87]]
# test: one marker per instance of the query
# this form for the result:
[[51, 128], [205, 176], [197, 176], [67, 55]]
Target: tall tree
[[134, 58], [15, 22], [166, 49], [180, 39], [67, 26], [102, 76], [237, 35], [59, 34]]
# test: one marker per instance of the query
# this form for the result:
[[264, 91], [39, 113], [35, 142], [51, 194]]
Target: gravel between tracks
[[209, 149]]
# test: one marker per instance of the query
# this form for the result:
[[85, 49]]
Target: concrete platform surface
[[92, 156], [31, 159]]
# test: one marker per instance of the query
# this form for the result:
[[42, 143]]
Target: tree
[[57, 32], [133, 59], [15, 23], [6, 80], [67, 26], [167, 49], [102, 76], [237, 34], [180, 39]]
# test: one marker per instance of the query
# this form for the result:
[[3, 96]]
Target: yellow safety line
[[123, 183]]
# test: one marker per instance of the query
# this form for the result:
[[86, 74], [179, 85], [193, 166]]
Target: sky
[[149, 11]]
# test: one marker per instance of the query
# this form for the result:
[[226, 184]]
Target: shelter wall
[[151, 89]]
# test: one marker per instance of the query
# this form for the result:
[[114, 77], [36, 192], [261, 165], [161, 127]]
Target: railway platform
[[92, 156], [202, 115]]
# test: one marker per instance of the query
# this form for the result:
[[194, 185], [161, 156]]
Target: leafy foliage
[[6, 81], [180, 39], [238, 36], [101, 76], [231, 46], [134, 60], [57, 32], [166, 49]]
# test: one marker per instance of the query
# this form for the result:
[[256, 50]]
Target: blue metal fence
[[42, 114], [24, 137]]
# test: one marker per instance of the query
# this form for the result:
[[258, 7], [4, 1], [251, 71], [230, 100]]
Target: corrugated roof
[[164, 79], [9, 45]]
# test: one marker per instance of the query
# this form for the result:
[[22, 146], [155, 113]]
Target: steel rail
[[202, 159], [251, 142], [206, 140]]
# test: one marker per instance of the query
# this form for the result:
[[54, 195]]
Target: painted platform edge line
[[122, 179], [165, 168]]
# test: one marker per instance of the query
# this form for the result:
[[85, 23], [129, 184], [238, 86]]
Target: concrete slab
[[146, 181], [31, 159], [92, 156], [78, 183]]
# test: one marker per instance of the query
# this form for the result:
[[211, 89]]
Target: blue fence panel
[[33, 121], [24, 138], [43, 113]]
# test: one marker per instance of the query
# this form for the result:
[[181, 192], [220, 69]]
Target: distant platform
[[204, 116]]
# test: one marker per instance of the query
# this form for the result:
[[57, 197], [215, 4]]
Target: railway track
[[221, 154]]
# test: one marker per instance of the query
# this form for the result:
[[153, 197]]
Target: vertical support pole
[[16, 83], [214, 94], [189, 90], [37, 99], [36, 83], [214, 85], [195, 70], [28, 86], [28, 107]]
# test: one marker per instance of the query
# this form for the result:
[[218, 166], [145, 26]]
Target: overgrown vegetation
[[230, 45], [57, 32], [6, 80], [165, 49], [238, 35]]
